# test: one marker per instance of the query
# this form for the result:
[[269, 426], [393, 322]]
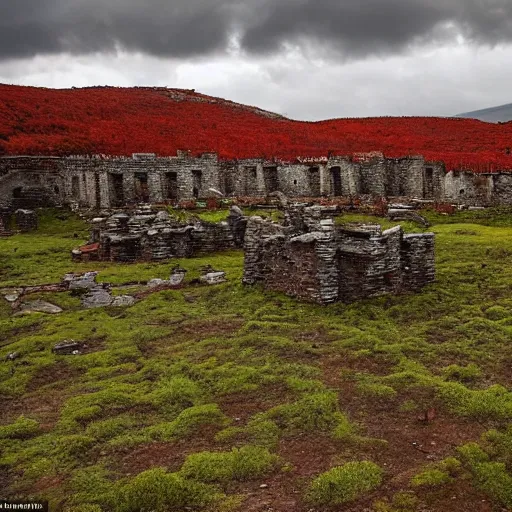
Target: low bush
[[345, 483], [239, 464]]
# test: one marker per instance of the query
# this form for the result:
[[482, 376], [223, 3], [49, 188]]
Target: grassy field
[[229, 398]]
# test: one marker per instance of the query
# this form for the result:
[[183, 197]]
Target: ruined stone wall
[[28, 182], [368, 263], [257, 233], [325, 263], [417, 261], [97, 182], [502, 188], [465, 187]]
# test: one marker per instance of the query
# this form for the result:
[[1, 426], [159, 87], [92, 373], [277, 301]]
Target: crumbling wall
[[154, 236], [501, 188], [105, 182], [325, 263], [31, 182], [368, 263], [417, 261], [465, 187]]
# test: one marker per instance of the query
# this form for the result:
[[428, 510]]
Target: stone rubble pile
[[148, 235]]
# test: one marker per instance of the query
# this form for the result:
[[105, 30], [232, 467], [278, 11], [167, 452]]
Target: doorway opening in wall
[[250, 181], [141, 187], [428, 184], [364, 189], [314, 181], [116, 188], [197, 178], [75, 187], [97, 190], [271, 179], [336, 188], [16, 192], [171, 185], [229, 186], [56, 189]]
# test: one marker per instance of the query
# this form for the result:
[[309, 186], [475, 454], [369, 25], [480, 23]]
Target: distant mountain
[[503, 113]]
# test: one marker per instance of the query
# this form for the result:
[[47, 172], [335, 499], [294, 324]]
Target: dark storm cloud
[[181, 28], [159, 27], [360, 27]]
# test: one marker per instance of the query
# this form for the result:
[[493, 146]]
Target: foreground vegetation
[[230, 398]]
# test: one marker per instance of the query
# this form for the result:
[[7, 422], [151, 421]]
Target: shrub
[[376, 390], [107, 429], [493, 479], [430, 478], [21, 428], [314, 412], [238, 464], [159, 491], [497, 313], [462, 373], [471, 454], [187, 422], [177, 394], [344, 483]]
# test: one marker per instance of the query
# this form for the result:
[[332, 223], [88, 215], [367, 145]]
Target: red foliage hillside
[[119, 121]]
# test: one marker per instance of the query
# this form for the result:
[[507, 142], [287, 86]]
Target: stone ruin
[[312, 258], [21, 220], [148, 235]]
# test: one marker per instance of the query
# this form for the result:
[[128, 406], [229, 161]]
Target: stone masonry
[[109, 182], [148, 235], [327, 263]]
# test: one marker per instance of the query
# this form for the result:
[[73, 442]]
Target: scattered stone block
[[67, 347], [123, 301], [214, 278], [13, 356], [98, 297], [155, 283], [40, 306], [12, 295], [177, 276], [85, 281]]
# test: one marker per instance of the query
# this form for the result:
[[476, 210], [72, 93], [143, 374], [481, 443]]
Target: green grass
[[248, 381], [345, 483]]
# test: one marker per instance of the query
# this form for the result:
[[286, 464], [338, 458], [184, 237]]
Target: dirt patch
[[169, 455], [241, 406], [200, 330], [43, 407], [306, 456], [319, 336], [57, 372]]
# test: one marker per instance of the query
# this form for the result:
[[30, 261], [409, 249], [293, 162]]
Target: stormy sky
[[307, 59]]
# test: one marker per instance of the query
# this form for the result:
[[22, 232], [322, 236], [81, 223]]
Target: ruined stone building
[[109, 182], [148, 235], [312, 258]]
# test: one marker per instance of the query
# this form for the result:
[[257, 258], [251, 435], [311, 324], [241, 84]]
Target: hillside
[[119, 121], [502, 114]]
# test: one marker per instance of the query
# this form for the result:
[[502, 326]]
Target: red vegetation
[[116, 121]]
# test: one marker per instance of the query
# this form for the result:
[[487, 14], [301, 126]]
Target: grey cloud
[[184, 28]]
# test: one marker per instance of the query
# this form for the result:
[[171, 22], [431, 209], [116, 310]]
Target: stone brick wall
[[151, 236], [326, 263], [106, 182]]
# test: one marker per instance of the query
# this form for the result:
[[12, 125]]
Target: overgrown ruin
[[101, 182], [312, 258], [150, 235]]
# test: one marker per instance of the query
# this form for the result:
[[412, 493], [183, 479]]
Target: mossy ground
[[196, 397]]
